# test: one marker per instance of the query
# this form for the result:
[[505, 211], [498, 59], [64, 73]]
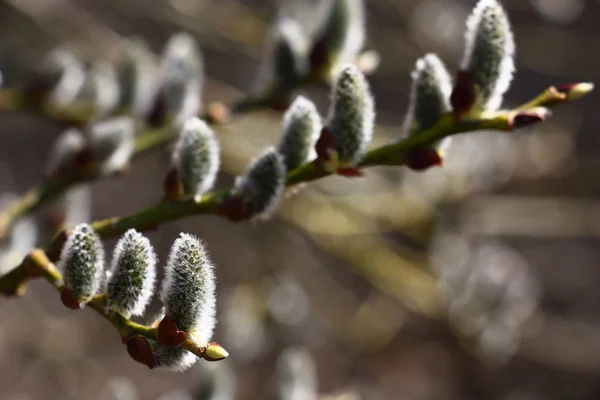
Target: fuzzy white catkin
[[133, 273], [100, 89], [261, 188], [343, 32], [285, 57], [166, 358], [197, 157], [82, 262], [138, 77], [112, 143], [489, 53], [351, 115], [301, 128], [430, 94], [64, 64], [176, 359], [183, 71], [188, 291]]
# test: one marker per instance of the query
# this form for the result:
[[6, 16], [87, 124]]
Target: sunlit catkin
[[196, 157], [183, 78], [138, 77], [430, 94], [188, 291], [351, 116], [284, 60], [261, 187], [489, 53], [340, 38], [301, 128], [133, 273], [82, 263], [111, 143]]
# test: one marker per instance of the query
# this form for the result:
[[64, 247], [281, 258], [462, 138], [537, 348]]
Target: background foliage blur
[[476, 280]]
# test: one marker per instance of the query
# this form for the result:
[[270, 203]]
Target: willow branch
[[38, 264], [391, 154]]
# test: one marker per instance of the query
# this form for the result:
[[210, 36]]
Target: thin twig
[[38, 264]]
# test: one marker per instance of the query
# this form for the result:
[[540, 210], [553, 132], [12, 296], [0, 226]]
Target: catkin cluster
[[150, 90], [297, 52], [188, 289], [484, 76], [336, 144]]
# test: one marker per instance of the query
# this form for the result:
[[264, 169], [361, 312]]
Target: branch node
[[233, 208]]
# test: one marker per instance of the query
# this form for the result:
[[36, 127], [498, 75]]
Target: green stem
[[153, 138], [392, 154], [164, 212], [548, 98]]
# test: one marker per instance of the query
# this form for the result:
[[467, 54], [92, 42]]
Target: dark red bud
[[36, 89], [233, 208], [463, 93], [566, 88], [349, 172], [576, 90], [527, 118], [422, 158], [172, 185], [319, 56], [84, 158], [281, 104], [168, 333], [158, 113], [140, 350], [325, 144], [69, 301]]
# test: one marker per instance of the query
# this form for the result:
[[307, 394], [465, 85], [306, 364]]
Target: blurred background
[[477, 280]]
